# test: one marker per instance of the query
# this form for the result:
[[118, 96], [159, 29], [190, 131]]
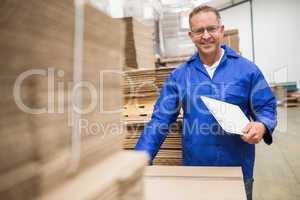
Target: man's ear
[[190, 34], [222, 28]]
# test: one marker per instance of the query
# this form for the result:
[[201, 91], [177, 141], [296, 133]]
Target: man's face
[[206, 32]]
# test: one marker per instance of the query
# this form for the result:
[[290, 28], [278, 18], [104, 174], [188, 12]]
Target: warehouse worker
[[218, 72]]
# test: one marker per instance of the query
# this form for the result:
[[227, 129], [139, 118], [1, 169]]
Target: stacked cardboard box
[[280, 94], [286, 94], [173, 62], [139, 46], [141, 88], [145, 83], [170, 151], [115, 178], [294, 99], [178, 182], [231, 39], [36, 44], [38, 158]]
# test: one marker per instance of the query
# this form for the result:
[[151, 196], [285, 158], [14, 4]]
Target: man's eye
[[211, 29], [201, 30]]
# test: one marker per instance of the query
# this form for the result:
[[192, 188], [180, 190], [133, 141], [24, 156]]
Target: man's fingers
[[246, 137], [250, 136], [247, 128], [256, 137], [247, 140], [253, 133]]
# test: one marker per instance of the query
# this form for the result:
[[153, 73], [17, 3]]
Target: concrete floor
[[277, 167]]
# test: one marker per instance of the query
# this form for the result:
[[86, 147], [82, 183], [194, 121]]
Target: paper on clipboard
[[230, 117]]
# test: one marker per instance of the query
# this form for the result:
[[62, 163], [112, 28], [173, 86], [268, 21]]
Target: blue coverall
[[237, 81]]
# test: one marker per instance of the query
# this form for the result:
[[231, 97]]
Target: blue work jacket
[[204, 143]]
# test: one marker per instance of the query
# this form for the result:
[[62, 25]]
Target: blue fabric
[[249, 188], [237, 81]]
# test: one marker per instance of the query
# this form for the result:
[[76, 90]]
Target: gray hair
[[204, 8]]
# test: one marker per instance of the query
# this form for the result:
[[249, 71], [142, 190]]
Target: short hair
[[204, 8]]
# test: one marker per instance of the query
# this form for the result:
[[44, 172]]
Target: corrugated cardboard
[[231, 39], [140, 89], [107, 180], [194, 183], [36, 149]]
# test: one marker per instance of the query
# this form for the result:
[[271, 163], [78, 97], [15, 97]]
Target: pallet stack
[[38, 157], [141, 88]]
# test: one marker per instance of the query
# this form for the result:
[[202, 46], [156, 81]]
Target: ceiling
[[220, 4]]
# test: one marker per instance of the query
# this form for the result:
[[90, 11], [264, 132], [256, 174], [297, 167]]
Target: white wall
[[276, 36], [239, 18]]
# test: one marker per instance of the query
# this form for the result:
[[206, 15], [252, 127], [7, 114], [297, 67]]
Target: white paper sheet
[[230, 117]]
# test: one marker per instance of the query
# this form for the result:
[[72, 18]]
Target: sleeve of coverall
[[263, 105], [164, 114]]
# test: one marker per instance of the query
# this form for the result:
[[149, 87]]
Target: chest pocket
[[192, 101], [236, 94]]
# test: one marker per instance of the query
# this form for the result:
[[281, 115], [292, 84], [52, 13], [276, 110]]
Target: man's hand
[[254, 132]]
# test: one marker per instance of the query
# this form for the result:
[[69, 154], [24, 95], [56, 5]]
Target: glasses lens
[[212, 29], [199, 31], [209, 29]]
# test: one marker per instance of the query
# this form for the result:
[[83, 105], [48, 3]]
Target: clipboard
[[230, 117]]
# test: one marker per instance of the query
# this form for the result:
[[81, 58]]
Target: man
[[217, 72]]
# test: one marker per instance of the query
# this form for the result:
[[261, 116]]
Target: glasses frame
[[207, 29]]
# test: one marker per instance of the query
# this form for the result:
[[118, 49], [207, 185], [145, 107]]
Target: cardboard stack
[[170, 151], [141, 88], [231, 39], [173, 62], [286, 94], [294, 99], [139, 46], [102, 65], [115, 178], [280, 94], [33, 41], [38, 158], [144, 83]]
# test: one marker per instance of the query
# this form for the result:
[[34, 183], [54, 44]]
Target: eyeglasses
[[209, 29]]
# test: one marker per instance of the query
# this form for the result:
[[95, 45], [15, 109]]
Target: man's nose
[[206, 35]]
